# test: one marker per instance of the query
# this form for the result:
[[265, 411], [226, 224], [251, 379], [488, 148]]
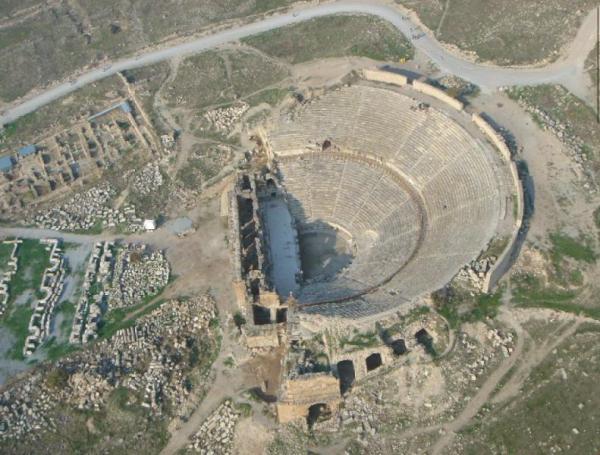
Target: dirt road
[[569, 70]]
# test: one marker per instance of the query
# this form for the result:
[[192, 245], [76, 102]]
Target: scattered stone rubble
[[575, 146], [149, 359], [476, 272], [140, 273], [224, 119], [51, 288], [24, 408], [116, 276], [84, 210], [168, 142], [498, 341], [97, 278], [147, 180], [12, 267], [358, 411], [215, 436]]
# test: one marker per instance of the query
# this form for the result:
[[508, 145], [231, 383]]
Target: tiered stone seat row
[[427, 192]]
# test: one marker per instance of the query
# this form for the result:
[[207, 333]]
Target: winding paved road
[[568, 71]]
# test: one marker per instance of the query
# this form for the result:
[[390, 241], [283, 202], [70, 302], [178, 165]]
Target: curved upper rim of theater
[[459, 181]]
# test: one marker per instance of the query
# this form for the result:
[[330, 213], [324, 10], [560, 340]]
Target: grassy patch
[[565, 246], [271, 96], [549, 407], [122, 318], [334, 36], [18, 322], [32, 259], [512, 32], [245, 409], [496, 247], [55, 350], [205, 162], [528, 291], [215, 78], [457, 305], [5, 252], [67, 309], [561, 107], [360, 340]]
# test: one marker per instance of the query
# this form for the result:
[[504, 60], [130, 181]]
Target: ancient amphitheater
[[413, 186]]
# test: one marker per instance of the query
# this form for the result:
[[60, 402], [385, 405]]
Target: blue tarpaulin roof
[[27, 150], [124, 105], [6, 163]]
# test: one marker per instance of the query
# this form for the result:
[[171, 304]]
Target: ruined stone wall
[[385, 76], [358, 358], [264, 336], [499, 267], [234, 236], [299, 394], [438, 94]]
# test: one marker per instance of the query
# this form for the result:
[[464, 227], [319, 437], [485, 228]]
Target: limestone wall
[[301, 393], [12, 265], [492, 135], [385, 76], [262, 336], [359, 359], [499, 267], [437, 93]]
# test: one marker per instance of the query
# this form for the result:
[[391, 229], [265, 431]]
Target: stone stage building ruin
[[360, 200]]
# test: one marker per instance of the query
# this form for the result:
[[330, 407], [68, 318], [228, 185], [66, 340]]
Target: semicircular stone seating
[[427, 193]]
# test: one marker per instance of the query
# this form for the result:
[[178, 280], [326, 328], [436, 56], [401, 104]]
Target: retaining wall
[[385, 76], [501, 264], [437, 93]]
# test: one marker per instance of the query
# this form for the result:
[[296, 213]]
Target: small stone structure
[[97, 277], [12, 265], [251, 261], [51, 288], [66, 160], [215, 435], [139, 272], [143, 361], [85, 210], [297, 395]]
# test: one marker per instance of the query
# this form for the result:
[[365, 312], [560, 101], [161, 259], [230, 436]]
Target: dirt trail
[[486, 390], [223, 386], [533, 358], [528, 361], [22, 15]]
